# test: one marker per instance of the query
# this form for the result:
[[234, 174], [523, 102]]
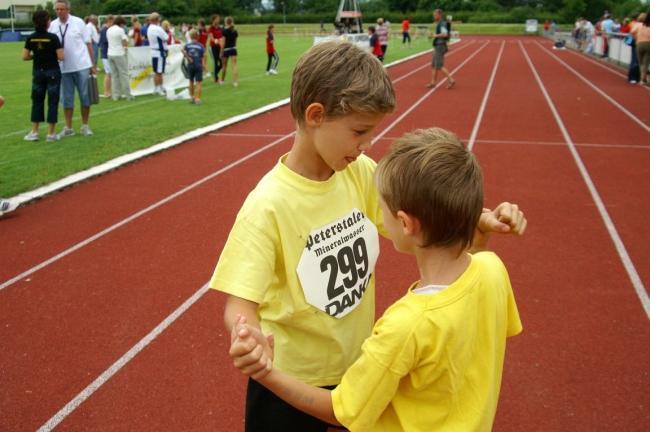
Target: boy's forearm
[[236, 306], [312, 400]]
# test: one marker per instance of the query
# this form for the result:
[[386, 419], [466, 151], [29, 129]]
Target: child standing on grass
[[299, 261], [194, 52], [46, 51], [271, 52], [435, 358], [375, 46]]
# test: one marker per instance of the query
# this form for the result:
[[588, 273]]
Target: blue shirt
[[196, 51]]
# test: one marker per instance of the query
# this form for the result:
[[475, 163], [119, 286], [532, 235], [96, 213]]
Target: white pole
[[12, 15]]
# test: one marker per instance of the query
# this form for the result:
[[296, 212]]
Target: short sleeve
[[444, 29], [57, 42], [387, 356], [85, 33], [247, 263], [27, 47]]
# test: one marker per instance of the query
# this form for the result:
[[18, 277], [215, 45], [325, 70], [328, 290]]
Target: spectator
[[230, 50], [91, 23], [202, 32], [194, 52], [382, 33], [272, 53], [145, 30], [170, 34], [375, 47], [440, 39], [216, 44], [158, 43], [641, 33], [136, 32], [406, 27], [607, 28], [75, 67], [46, 51], [547, 27], [633, 72], [103, 51], [118, 42]]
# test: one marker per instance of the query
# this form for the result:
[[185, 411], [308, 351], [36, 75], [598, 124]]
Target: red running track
[[581, 363]]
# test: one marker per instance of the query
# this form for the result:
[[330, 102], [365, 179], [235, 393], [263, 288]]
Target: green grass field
[[123, 127]]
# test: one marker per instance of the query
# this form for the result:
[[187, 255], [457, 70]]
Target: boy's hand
[[506, 218], [251, 351]]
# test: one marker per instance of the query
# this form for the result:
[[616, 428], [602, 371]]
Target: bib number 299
[[351, 261]]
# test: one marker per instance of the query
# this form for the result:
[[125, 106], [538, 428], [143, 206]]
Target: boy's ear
[[315, 114], [410, 224]]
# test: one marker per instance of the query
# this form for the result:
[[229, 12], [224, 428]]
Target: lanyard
[[62, 33]]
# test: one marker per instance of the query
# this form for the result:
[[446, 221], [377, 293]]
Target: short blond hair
[[429, 174], [343, 78]]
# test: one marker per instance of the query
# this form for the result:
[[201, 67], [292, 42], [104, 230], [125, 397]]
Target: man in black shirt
[[46, 51]]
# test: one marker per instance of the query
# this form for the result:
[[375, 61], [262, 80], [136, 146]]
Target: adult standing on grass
[[216, 44], [46, 51], [440, 39], [103, 51], [91, 24], [76, 67], [641, 33], [118, 43], [158, 42], [382, 33], [230, 50]]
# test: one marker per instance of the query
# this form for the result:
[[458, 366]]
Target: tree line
[[253, 11]]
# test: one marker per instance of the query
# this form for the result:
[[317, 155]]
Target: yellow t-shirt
[[434, 362], [305, 251]]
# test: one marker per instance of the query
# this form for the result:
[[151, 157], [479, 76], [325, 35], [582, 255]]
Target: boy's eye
[[360, 132]]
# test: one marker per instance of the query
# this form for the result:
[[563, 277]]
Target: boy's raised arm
[[506, 218]]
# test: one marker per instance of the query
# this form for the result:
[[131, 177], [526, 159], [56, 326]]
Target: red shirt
[[217, 33], [203, 37], [406, 25], [270, 48]]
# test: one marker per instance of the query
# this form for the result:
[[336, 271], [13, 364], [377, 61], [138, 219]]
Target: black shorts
[[195, 72], [230, 52], [265, 412]]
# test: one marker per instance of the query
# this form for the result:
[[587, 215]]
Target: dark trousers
[[406, 37], [216, 56], [633, 73], [45, 82], [274, 59], [265, 412]]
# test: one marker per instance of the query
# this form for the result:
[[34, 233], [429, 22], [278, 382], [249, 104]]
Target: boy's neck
[[303, 159], [440, 266]]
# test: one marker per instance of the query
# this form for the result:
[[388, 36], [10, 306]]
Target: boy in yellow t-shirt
[[299, 260], [435, 358]]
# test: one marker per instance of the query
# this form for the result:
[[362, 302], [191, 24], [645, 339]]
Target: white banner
[[141, 70]]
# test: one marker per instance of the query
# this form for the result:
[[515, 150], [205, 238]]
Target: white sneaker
[[273, 72], [236, 84], [7, 206], [32, 136], [65, 132], [85, 130], [52, 138]]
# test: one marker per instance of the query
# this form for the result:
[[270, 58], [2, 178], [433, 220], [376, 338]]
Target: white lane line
[[486, 96], [152, 335], [563, 144], [141, 213], [599, 91], [121, 362], [607, 220], [426, 95], [136, 215], [245, 135]]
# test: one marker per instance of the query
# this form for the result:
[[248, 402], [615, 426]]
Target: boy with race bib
[[435, 358], [299, 261]]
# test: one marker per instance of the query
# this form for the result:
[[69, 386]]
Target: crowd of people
[[634, 31]]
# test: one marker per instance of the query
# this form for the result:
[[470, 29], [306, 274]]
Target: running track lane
[[71, 320], [580, 363]]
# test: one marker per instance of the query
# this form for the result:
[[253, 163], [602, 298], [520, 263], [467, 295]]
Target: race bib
[[336, 265]]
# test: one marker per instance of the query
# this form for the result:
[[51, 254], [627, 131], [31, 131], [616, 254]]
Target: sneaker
[[66, 132], [451, 84], [273, 72], [7, 206], [431, 85], [220, 82], [32, 136], [268, 72], [197, 101], [236, 84], [51, 138], [85, 130], [633, 81]]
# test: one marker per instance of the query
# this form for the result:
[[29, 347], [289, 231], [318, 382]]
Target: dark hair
[[646, 21], [119, 21], [40, 19], [371, 29]]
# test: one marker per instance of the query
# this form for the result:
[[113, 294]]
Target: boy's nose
[[365, 144]]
